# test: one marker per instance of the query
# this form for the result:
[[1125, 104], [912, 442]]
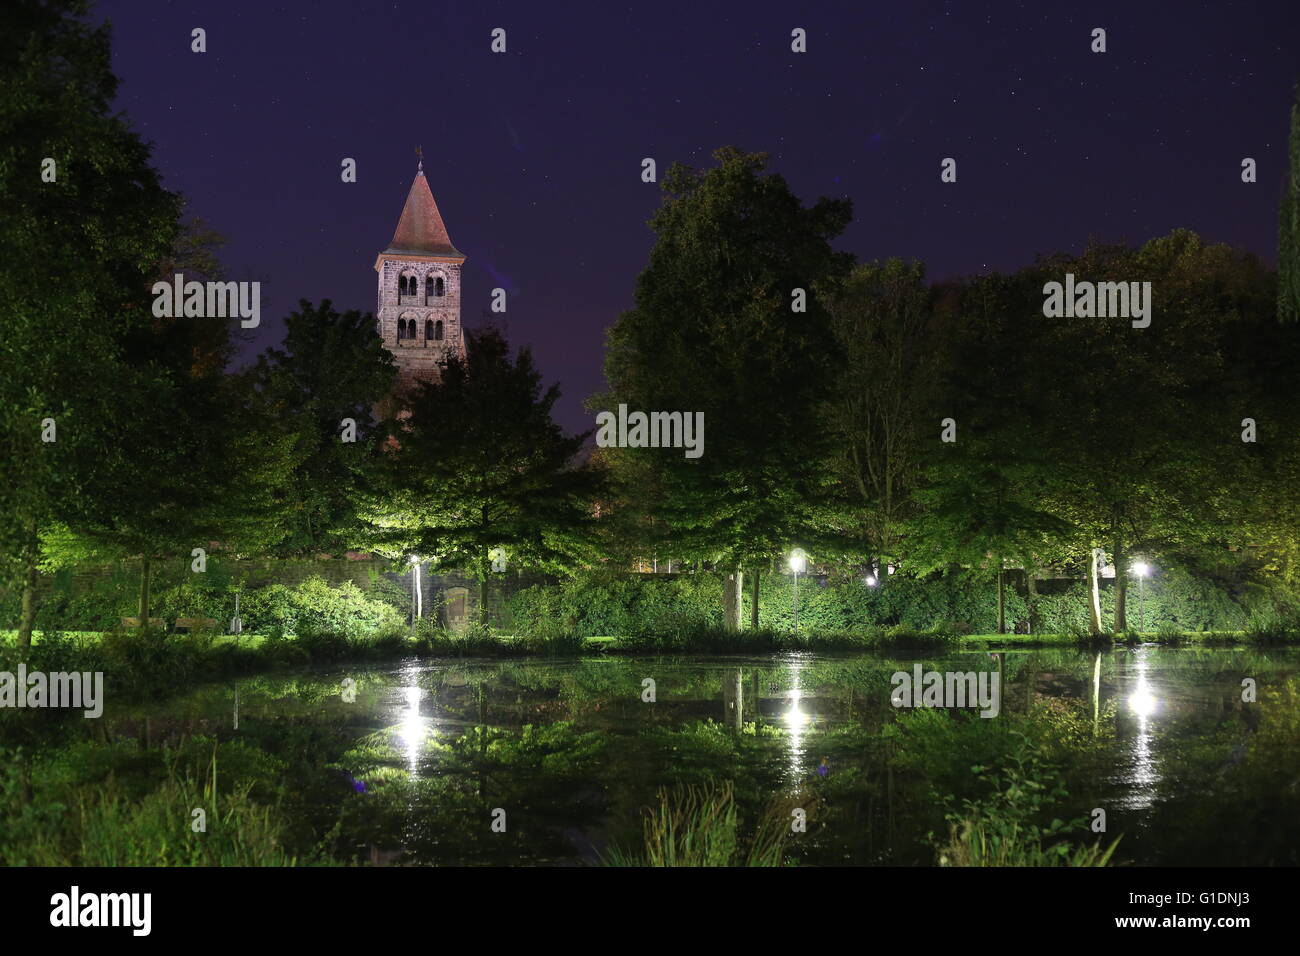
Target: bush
[[604, 604], [958, 603], [342, 611], [1172, 600], [192, 598], [670, 608], [317, 611], [269, 610]]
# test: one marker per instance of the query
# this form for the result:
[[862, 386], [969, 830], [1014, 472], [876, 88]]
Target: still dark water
[[411, 763]]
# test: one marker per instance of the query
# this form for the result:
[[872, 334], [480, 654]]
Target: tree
[[1288, 237], [479, 464], [982, 469], [205, 466], [86, 221], [1144, 443], [882, 321], [728, 322], [332, 368], [977, 510]]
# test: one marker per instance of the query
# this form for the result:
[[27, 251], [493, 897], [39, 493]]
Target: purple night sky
[[534, 156]]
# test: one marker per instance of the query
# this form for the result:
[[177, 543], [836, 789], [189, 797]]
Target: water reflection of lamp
[[795, 718], [411, 730], [1142, 702], [795, 721]]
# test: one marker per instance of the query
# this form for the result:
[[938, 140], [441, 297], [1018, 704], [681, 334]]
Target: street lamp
[[798, 561], [1142, 569], [416, 596]]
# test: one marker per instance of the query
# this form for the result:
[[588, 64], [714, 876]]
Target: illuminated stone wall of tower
[[418, 313]]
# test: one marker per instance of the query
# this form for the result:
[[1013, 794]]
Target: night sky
[[534, 155]]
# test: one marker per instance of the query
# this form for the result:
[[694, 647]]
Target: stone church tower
[[418, 316]]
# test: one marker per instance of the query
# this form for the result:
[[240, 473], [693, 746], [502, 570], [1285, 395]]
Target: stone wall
[[418, 358]]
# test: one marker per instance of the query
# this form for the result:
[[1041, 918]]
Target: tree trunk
[[145, 607], [753, 608], [1032, 581], [1094, 592], [27, 622], [728, 600], [1002, 599], [1121, 588], [732, 599], [740, 598]]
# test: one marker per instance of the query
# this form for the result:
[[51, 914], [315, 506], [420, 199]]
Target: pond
[[1189, 755]]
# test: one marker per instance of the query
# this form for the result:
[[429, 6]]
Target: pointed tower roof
[[420, 231]]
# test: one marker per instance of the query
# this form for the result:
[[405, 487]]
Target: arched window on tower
[[401, 286], [401, 329], [428, 329], [438, 287], [437, 330], [428, 286]]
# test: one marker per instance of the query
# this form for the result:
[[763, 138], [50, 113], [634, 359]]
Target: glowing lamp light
[[1141, 568], [798, 561], [417, 593], [870, 581]]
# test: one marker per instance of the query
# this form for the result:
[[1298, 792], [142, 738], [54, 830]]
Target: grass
[[982, 842], [700, 826], [188, 818]]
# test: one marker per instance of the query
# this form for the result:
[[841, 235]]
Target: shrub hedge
[[310, 608], [637, 605]]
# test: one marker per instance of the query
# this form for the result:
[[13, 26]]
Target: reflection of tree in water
[[540, 776]]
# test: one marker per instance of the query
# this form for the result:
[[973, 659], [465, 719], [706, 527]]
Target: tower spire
[[421, 230], [419, 152]]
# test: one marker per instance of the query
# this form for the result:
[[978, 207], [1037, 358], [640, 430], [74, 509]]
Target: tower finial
[[419, 151]]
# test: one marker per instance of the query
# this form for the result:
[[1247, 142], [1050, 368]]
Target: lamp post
[[798, 561], [417, 599], [236, 623], [1142, 569]]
